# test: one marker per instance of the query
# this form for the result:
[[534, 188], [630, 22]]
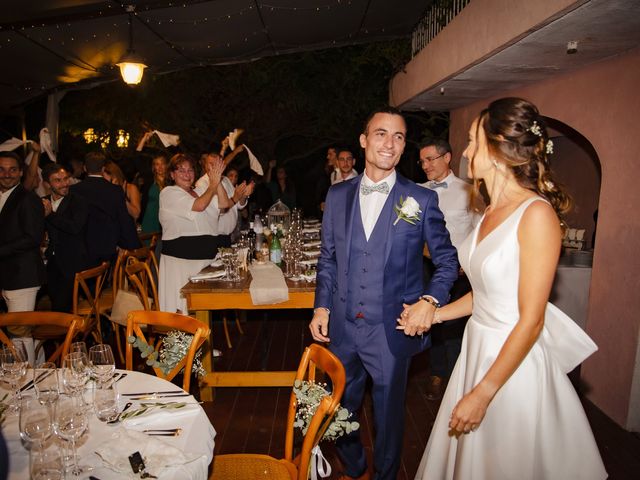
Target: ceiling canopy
[[51, 44]]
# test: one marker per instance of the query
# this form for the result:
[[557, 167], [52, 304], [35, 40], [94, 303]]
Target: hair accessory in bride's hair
[[535, 129]]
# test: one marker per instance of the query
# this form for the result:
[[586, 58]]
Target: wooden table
[[222, 295]]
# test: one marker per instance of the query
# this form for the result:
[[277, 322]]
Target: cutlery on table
[[168, 392], [31, 383], [156, 396], [177, 431], [164, 433], [117, 419], [122, 375]]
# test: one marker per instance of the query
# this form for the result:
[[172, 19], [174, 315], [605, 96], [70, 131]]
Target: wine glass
[[102, 361], [45, 383], [35, 421], [105, 402], [75, 372], [78, 347], [46, 463], [13, 361], [69, 423]]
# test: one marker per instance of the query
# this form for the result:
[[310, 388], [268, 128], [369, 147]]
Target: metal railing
[[436, 18]]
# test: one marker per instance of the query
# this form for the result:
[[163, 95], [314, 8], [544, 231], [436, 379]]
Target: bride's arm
[[539, 236], [454, 310]]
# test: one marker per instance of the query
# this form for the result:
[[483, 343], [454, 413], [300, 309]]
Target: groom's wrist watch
[[431, 300]]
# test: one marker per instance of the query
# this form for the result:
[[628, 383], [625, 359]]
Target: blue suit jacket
[[403, 280]]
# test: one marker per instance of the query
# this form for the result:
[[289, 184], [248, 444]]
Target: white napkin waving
[[45, 144], [156, 453], [168, 139], [254, 164], [11, 144], [233, 136]]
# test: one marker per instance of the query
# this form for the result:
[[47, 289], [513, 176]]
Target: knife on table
[[31, 383], [169, 392]]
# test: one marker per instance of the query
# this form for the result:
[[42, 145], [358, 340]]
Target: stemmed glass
[[105, 402], [45, 383], [13, 361], [75, 372], [35, 421], [46, 464], [102, 361], [69, 423]]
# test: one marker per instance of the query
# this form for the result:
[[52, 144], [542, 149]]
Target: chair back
[[142, 254], [95, 277], [64, 325], [314, 357], [139, 275], [167, 321], [150, 240]]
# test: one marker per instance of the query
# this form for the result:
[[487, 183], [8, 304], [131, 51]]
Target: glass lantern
[[279, 216]]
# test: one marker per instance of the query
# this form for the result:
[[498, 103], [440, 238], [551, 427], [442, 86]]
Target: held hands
[[47, 207], [416, 319], [319, 325]]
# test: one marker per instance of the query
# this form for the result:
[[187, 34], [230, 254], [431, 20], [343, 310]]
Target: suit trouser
[[23, 300], [60, 288], [364, 352]]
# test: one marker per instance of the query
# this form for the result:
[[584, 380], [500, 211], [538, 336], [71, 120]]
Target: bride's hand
[[416, 319], [469, 412]]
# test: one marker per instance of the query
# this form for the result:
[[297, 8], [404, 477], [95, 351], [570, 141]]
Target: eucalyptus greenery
[[148, 406], [308, 396], [175, 346]]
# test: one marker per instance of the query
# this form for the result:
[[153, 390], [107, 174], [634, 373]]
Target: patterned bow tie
[[433, 184], [367, 189]]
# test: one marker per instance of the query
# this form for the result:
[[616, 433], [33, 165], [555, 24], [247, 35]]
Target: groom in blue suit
[[370, 265]]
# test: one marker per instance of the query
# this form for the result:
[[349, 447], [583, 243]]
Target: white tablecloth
[[197, 435]]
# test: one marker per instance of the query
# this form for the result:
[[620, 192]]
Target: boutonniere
[[408, 210]]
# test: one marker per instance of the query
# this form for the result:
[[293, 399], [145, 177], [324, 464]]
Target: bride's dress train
[[535, 427]]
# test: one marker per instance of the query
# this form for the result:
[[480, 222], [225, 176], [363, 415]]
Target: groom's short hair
[[384, 109]]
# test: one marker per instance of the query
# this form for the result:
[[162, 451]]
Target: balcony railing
[[436, 18]]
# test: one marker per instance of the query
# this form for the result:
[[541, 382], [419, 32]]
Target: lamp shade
[[131, 71]]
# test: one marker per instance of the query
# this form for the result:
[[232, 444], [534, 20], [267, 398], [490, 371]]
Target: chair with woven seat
[[254, 466], [165, 321], [56, 326], [89, 307]]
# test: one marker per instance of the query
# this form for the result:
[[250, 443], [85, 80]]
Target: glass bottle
[[275, 250]]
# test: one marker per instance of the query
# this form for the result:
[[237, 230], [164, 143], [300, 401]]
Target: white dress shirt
[[454, 203], [56, 203], [371, 205], [337, 178], [4, 196]]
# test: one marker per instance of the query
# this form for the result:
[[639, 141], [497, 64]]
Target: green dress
[[150, 221]]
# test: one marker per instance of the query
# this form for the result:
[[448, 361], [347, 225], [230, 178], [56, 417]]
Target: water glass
[[45, 383], [45, 463], [105, 402], [35, 421], [102, 361], [69, 423], [13, 362]]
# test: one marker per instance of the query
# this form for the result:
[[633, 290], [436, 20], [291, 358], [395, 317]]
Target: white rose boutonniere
[[408, 210]]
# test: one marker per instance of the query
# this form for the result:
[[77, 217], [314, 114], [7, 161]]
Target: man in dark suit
[[109, 225], [66, 217], [21, 233], [370, 265]]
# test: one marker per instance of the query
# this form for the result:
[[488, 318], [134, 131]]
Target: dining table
[[219, 294], [193, 443]]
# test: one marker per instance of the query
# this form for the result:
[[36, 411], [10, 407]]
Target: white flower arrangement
[[535, 129], [175, 345], [408, 210], [308, 397]]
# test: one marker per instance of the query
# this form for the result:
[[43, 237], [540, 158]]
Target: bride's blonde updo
[[516, 136]]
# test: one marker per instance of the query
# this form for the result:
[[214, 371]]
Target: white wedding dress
[[535, 428]]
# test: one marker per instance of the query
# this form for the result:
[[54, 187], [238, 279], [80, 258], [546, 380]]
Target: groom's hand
[[319, 325], [417, 318]]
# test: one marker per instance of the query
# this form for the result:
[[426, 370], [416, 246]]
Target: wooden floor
[[251, 420]]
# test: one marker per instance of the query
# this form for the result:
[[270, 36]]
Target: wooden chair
[[54, 326], [248, 466], [167, 321], [89, 308], [141, 278], [150, 240]]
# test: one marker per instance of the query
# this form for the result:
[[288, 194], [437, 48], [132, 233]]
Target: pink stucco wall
[[601, 101]]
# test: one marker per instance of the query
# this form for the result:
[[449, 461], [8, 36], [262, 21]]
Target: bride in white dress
[[510, 411]]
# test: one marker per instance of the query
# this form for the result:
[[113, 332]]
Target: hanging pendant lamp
[[131, 66]]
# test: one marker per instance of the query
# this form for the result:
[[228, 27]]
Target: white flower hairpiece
[[535, 129]]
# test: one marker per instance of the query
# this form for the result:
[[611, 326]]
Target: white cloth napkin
[[46, 145], [156, 453], [11, 144], [168, 139], [267, 284], [309, 261], [254, 164], [207, 276], [311, 253], [310, 229]]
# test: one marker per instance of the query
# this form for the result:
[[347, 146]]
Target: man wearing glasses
[[453, 199]]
